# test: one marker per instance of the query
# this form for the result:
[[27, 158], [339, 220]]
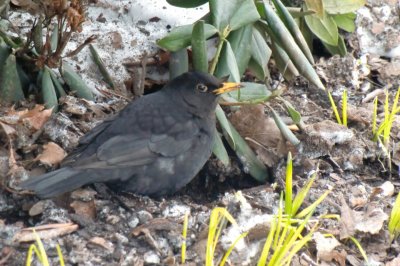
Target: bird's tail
[[55, 183]]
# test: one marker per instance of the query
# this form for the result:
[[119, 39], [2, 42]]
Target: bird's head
[[200, 91]]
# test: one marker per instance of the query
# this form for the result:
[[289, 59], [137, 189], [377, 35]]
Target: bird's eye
[[201, 87]]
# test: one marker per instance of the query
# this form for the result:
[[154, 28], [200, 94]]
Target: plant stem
[[222, 39]]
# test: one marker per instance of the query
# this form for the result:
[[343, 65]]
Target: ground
[[95, 227]]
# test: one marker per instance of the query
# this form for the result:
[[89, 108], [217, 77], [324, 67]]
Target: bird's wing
[[132, 151]]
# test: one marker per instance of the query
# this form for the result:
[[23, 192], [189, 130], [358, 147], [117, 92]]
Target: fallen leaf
[[347, 223], [52, 154], [48, 231], [326, 249], [99, 241], [36, 118], [260, 132]]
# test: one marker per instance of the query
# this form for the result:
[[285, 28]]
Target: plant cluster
[[30, 60]]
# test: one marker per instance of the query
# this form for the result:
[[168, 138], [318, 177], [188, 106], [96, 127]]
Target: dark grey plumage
[[154, 146]]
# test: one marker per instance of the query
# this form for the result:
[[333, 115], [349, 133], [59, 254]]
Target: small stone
[[151, 258]]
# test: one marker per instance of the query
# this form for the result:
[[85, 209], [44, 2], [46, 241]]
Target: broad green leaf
[[180, 37], [219, 149], [10, 84], [75, 83], [339, 49], [317, 6], [342, 6], [187, 3], [227, 65], [258, 71], [294, 29], [260, 52], [345, 21], [232, 14], [251, 92], [48, 91], [324, 28], [239, 41], [178, 63], [199, 50], [251, 164], [278, 32]]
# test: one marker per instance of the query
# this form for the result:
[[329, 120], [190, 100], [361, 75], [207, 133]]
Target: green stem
[[221, 41]]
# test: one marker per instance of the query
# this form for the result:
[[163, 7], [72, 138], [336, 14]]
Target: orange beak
[[227, 87]]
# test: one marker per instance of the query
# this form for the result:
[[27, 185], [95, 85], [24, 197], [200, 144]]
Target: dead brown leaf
[[87, 209], [347, 223], [36, 118], [260, 132], [52, 154], [99, 241], [326, 249], [44, 232]]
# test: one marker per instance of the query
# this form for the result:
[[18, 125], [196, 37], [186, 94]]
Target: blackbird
[[154, 146]]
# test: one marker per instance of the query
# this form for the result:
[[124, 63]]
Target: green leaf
[[180, 37], [54, 38], [294, 29], [260, 52], [286, 132], [339, 49], [251, 92], [48, 91], [186, 3], [223, 121], [345, 21], [342, 6], [278, 32], [317, 6], [57, 84], [232, 14], [10, 84], [102, 67], [178, 63], [219, 150], [239, 41], [199, 49], [283, 62], [227, 65], [75, 83], [324, 28]]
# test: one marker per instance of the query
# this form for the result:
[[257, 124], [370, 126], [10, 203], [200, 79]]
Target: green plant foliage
[[48, 91], [227, 65], [10, 84], [199, 50], [294, 29], [239, 41], [75, 82], [342, 6], [232, 14], [251, 92], [345, 21], [181, 37], [282, 36], [323, 27], [260, 54]]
